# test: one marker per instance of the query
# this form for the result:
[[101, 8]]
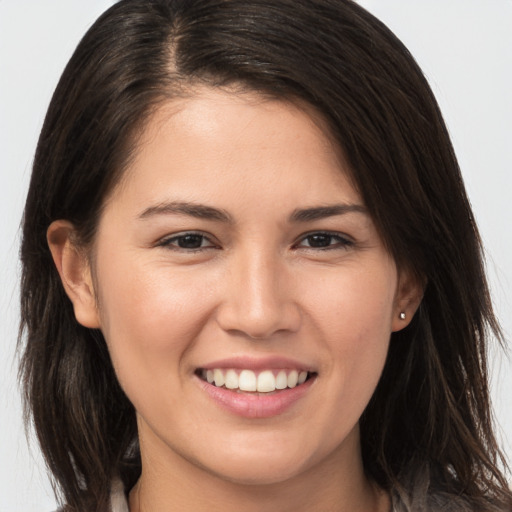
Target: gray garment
[[118, 501]]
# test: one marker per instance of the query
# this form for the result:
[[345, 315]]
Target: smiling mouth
[[248, 381]]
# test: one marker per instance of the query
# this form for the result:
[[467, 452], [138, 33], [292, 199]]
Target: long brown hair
[[427, 432]]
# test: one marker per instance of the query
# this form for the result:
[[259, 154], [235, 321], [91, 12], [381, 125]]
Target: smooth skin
[[218, 243]]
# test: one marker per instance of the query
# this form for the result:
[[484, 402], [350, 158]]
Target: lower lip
[[249, 405]]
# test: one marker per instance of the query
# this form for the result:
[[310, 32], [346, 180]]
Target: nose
[[258, 299]]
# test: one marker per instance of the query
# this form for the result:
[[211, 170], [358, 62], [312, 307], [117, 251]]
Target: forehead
[[208, 112], [214, 138]]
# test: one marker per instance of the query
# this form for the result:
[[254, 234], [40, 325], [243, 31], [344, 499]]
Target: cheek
[[355, 304], [354, 313], [149, 314]]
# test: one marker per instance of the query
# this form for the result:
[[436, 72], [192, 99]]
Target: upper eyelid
[[334, 234], [169, 238], [166, 240]]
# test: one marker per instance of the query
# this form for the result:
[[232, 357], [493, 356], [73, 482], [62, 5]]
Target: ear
[[409, 295], [75, 272]]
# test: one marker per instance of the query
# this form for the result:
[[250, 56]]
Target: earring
[[402, 315]]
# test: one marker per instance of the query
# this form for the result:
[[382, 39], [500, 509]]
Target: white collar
[[118, 502]]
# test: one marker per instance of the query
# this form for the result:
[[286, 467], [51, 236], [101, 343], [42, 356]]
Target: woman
[[253, 279]]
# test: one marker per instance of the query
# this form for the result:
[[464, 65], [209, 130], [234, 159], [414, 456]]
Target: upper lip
[[258, 363]]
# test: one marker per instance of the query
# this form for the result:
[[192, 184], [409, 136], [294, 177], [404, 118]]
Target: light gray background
[[464, 48]]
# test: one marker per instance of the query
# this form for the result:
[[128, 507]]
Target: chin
[[258, 474], [258, 467]]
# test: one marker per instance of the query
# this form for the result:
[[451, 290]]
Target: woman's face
[[237, 249]]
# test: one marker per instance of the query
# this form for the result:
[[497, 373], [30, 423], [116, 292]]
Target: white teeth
[[281, 380], [293, 378], [266, 382], [247, 380], [231, 379], [218, 377]]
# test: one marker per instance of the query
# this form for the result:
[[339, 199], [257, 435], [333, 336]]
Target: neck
[[337, 484]]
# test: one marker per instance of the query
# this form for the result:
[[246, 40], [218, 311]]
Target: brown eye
[[190, 241], [320, 240], [324, 241], [187, 242]]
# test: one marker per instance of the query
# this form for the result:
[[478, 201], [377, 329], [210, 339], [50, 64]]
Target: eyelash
[[169, 242], [342, 242]]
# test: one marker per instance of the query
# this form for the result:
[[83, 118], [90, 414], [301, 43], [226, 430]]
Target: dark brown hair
[[427, 432]]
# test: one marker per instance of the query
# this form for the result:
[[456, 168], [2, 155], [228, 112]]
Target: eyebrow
[[323, 212], [199, 211]]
